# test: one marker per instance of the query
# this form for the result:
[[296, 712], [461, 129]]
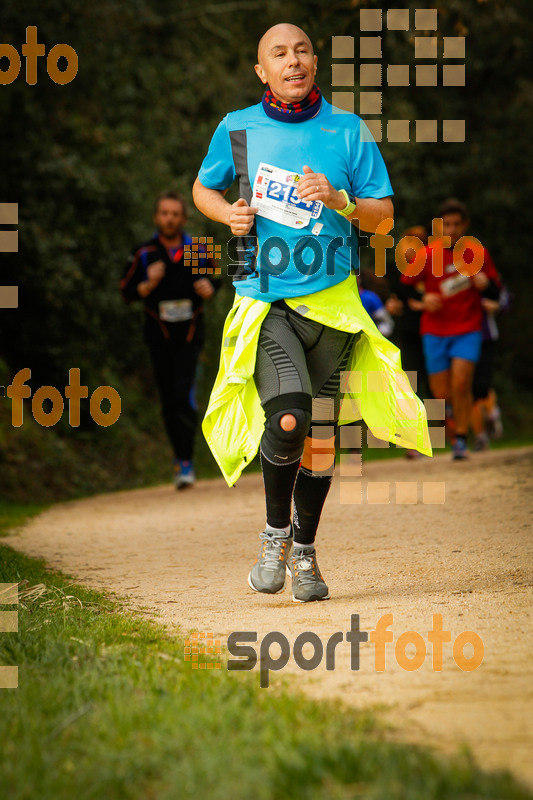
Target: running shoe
[[307, 582], [494, 423], [184, 476], [481, 442], [270, 567], [459, 450]]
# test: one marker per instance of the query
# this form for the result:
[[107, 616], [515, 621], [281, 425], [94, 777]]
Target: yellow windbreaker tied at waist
[[374, 388]]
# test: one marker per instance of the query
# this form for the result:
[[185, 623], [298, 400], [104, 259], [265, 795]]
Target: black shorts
[[300, 360], [483, 373]]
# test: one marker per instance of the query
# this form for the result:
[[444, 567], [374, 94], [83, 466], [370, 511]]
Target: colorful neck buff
[[292, 112]]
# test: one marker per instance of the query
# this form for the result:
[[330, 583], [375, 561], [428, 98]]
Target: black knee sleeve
[[285, 447]]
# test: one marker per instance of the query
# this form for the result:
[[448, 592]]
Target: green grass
[[107, 708], [13, 514]]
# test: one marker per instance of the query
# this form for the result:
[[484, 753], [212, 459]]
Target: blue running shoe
[[184, 476], [459, 449]]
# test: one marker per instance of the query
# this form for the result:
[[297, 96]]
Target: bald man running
[[305, 172]]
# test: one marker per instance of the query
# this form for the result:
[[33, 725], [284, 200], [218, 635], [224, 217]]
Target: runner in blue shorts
[[440, 350], [452, 317]]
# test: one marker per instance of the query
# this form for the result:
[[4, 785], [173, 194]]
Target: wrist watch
[[350, 206]]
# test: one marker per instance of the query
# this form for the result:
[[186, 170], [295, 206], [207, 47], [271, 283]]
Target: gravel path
[[186, 557]]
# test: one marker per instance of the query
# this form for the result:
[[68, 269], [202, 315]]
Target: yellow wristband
[[350, 206]]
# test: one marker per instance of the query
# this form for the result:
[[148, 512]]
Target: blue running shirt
[[318, 246]]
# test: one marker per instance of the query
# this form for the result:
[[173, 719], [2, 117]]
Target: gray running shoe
[[307, 582], [270, 567], [185, 481]]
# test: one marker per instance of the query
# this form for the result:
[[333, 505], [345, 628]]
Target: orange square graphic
[[370, 19], [201, 644], [342, 102], [378, 492], [351, 493], [434, 492], [350, 437], [351, 465], [342, 46], [406, 492], [370, 47]]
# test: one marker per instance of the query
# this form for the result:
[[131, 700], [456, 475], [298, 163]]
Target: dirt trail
[[186, 556]]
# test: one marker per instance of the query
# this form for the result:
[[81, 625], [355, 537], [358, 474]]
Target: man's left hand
[[315, 186], [204, 288]]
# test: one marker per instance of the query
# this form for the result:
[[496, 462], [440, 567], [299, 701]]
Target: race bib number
[[454, 285], [275, 196], [175, 310]]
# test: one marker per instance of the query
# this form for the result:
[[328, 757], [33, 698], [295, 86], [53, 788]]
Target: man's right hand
[[394, 305], [154, 275], [156, 272], [241, 217], [432, 301]]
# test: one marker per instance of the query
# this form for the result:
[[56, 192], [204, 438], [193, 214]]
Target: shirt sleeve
[[131, 277], [371, 302], [494, 290], [218, 169], [490, 269], [369, 173]]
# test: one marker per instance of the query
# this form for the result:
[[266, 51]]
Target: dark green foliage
[[85, 160]]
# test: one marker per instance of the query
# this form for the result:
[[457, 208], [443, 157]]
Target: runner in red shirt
[[452, 317]]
